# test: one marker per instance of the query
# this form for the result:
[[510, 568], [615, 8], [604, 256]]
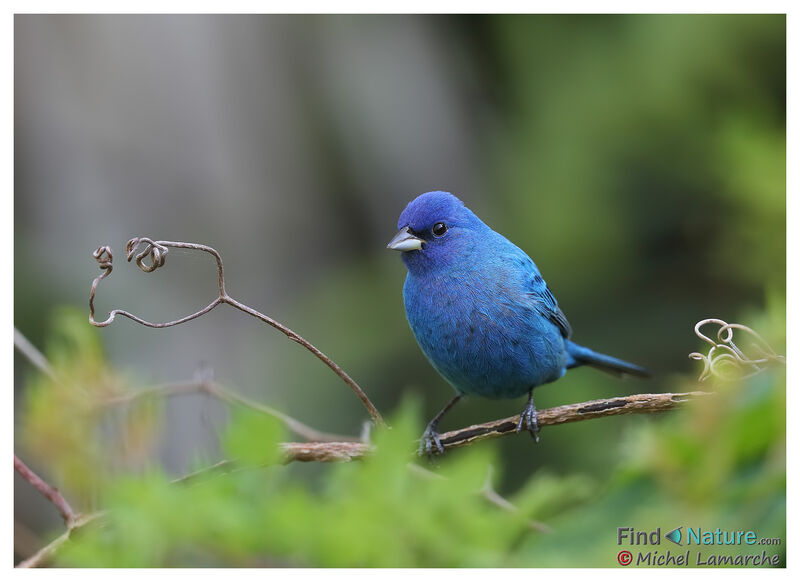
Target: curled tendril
[[726, 360], [150, 255], [104, 258], [155, 251]]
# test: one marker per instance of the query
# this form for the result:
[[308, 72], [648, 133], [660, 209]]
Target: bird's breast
[[481, 334]]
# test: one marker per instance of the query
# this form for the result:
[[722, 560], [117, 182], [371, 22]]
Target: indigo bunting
[[481, 312]]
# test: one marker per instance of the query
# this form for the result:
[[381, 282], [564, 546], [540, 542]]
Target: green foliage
[[721, 463], [620, 122], [68, 422], [378, 512], [251, 438]]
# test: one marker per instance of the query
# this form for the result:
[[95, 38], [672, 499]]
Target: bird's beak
[[405, 241]]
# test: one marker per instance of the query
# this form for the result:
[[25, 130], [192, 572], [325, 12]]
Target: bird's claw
[[429, 443], [527, 421]]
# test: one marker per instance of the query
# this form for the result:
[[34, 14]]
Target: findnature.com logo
[[703, 556]]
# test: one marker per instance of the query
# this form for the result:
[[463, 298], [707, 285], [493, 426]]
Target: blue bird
[[481, 312]]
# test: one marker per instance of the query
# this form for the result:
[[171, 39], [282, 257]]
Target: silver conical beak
[[405, 241]]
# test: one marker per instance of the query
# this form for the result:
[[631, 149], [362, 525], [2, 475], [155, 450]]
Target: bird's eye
[[439, 229]]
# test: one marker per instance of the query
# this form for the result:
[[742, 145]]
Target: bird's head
[[435, 230]]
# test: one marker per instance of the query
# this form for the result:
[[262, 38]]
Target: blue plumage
[[481, 311]]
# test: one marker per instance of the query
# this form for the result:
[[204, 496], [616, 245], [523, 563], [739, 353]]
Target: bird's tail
[[584, 356]]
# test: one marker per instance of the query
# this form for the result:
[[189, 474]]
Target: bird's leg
[[527, 419], [429, 443]]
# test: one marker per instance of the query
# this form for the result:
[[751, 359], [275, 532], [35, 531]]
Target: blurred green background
[[639, 160]]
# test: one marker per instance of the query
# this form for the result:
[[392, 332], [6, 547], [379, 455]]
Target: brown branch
[[221, 393], [324, 452], [50, 492], [634, 404], [72, 519], [44, 555], [157, 251]]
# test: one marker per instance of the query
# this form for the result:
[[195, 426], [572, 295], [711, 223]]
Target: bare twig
[[498, 500], [292, 424], [156, 252], [44, 555], [71, 519], [34, 356], [421, 471], [487, 492], [220, 467], [325, 452], [221, 393], [50, 492], [725, 353]]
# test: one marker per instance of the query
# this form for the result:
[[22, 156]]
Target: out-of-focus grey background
[[639, 160]]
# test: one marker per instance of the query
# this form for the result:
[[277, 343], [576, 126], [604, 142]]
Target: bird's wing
[[518, 266], [543, 299], [547, 305]]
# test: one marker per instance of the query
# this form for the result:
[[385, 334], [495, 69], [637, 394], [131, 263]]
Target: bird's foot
[[527, 420], [429, 443]]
